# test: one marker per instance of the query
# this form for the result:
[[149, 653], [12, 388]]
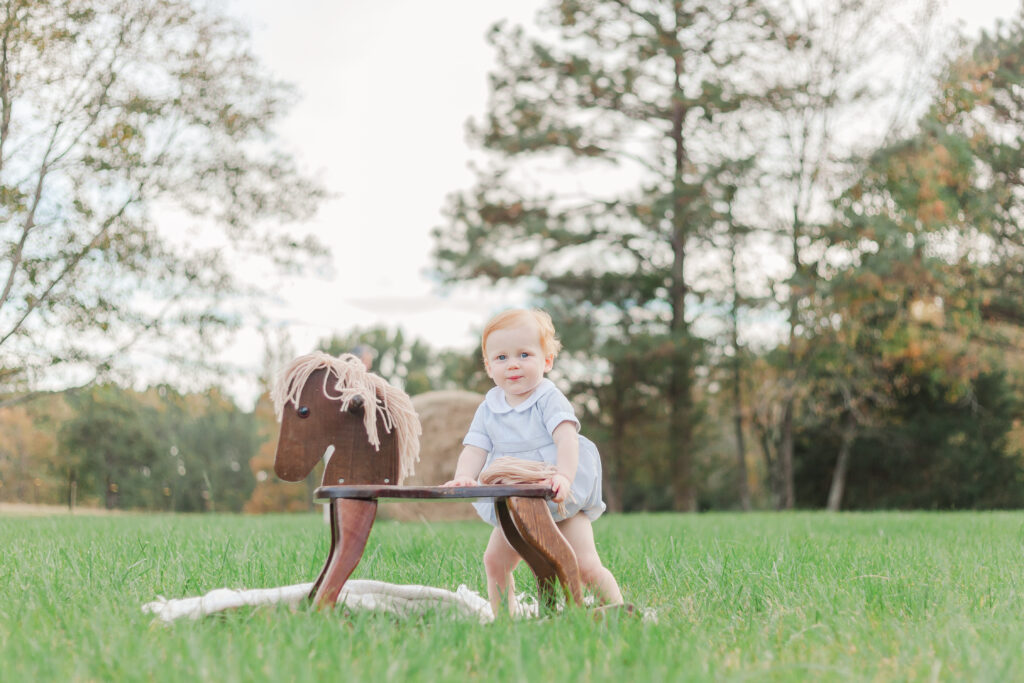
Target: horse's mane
[[354, 380]]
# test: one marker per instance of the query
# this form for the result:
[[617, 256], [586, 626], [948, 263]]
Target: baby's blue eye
[[501, 356], [524, 354]]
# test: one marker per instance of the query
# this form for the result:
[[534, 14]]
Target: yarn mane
[[352, 380], [509, 470]]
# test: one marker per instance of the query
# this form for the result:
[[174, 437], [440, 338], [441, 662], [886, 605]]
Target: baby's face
[[516, 361]]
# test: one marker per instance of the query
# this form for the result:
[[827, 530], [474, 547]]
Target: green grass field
[[806, 596]]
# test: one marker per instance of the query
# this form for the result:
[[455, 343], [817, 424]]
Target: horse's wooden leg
[[353, 519], [330, 551], [536, 526], [542, 568], [531, 531]]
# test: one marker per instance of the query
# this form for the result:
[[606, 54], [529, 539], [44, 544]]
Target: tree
[[114, 444], [932, 251], [622, 411], [933, 446], [975, 129], [28, 453], [118, 119], [159, 449], [654, 89], [211, 443], [852, 62], [734, 235]]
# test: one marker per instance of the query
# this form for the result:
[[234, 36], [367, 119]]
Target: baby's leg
[[580, 534], [499, 561]]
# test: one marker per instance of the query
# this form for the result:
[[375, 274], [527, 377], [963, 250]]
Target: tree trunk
[[835, 492], [684, 495], [771, 465], [787, 497], [113, 494], [742, 486], [72, 489]]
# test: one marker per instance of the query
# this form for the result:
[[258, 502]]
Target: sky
[[385, 90]]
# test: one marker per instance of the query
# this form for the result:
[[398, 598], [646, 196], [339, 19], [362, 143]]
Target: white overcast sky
[[386, 88]]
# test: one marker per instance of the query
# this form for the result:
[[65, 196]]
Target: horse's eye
[[303, 411]]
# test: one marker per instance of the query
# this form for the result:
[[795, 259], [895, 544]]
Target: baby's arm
[[568, 443], [471, 461]]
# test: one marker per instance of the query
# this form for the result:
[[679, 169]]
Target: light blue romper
[[524, 432]]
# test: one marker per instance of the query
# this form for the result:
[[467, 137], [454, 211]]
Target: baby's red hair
[[518, 316]]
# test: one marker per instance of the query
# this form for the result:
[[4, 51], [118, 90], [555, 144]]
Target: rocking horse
[[369, 433]]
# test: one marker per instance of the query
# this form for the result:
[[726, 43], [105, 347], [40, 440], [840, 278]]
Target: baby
[[525, 416]]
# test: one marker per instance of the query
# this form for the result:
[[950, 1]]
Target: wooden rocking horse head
[[332, 407]]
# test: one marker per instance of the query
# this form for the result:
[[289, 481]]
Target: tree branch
[[37, 196], [647, 17], [71, 264], [5, 86]]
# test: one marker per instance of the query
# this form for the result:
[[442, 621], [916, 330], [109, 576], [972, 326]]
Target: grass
[[804, 596]]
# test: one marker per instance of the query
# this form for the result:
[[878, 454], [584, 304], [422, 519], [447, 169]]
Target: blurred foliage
[[158, 450], [930, 291], [848, 62], [31, 467], [929, 448], [119, 118], [412, 365]]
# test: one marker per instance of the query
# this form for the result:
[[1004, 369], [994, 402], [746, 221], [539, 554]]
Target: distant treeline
[[932, 446]]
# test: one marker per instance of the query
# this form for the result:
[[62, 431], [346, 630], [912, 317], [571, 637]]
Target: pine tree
[[658, 92]]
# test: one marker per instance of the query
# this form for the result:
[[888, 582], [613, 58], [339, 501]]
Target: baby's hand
[[561, 485], [461, 481]]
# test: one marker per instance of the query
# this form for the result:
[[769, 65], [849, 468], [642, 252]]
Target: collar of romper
[[498, 404]]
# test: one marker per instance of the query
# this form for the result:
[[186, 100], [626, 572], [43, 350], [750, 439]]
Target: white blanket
[[357, 594]]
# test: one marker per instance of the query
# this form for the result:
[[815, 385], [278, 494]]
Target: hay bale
[[445, 417]]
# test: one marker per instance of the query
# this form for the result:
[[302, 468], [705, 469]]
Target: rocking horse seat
[[521, 510], [369, 491]]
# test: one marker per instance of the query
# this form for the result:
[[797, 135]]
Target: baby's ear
[[549, 362]]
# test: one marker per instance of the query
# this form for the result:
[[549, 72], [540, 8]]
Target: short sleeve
[[477, 434], [556, 409]]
